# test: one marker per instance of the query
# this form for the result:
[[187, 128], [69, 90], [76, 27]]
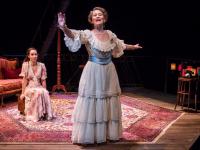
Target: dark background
[[162, 27], [166, 29]]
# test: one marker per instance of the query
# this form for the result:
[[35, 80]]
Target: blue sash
[[101, 61], [100, 57]]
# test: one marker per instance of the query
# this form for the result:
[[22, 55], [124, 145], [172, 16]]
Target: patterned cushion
[[11, 64], [8, 64], [11, 73]]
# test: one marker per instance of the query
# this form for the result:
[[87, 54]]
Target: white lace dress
[[97, 113]]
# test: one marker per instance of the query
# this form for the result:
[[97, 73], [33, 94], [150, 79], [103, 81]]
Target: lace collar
[[104, 46]]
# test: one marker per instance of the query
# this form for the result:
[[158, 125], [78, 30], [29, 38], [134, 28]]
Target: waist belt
[[101, 61]]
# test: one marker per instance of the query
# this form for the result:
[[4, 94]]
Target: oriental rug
[[142, 122]]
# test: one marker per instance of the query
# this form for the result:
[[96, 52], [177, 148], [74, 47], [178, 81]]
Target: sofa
[[10, 82]]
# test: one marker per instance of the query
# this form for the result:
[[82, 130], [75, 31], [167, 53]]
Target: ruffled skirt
[[97, 113], [37, 104]]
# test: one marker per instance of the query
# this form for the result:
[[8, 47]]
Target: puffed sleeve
[[119, 48], [24, 70], [44, 72], [80, 37]]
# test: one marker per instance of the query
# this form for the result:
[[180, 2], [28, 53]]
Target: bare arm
[[44, 84], [132, 47], [24, 84], [63, 26], [67, 31]]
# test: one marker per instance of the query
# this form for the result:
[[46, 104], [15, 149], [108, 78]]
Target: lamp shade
[[173, 66]]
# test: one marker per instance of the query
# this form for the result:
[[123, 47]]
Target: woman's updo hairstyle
[[105, 14]]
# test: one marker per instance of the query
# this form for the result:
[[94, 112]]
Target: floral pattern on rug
[[142, 122]]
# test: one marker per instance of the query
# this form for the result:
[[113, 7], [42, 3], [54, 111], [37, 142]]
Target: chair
[[185, 90], [21, 105]]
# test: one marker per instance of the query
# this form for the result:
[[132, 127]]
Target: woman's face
[[33, 55], [97, 18]]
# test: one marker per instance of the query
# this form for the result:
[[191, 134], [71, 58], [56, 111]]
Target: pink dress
[[37, 99]]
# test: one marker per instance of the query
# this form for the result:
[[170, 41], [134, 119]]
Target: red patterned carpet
[[142, 122]]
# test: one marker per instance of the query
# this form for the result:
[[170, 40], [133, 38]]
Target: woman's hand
[[137, 46], [61, 20], [63, 26], [22, 96]]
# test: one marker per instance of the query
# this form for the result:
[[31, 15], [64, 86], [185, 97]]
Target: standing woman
[[37, 99], [97, 113]]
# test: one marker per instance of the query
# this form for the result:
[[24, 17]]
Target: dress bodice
[[100, 57], [113, 45], [34, 78]]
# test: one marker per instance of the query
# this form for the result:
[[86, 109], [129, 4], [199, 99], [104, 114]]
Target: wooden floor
[[180, 136]]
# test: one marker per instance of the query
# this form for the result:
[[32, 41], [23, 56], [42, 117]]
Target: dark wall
[[163, 28]]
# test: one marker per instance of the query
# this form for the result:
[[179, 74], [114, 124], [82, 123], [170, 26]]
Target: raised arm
[[62, 25]]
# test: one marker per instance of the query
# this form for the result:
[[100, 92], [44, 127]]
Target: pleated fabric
[[97, 113]]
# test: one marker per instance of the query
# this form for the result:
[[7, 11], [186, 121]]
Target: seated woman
[[37, 99]]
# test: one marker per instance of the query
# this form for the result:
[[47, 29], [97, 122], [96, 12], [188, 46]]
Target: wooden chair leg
[[188, 102], [195, 102], [177, 100], [21, 105], [183, 100]]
